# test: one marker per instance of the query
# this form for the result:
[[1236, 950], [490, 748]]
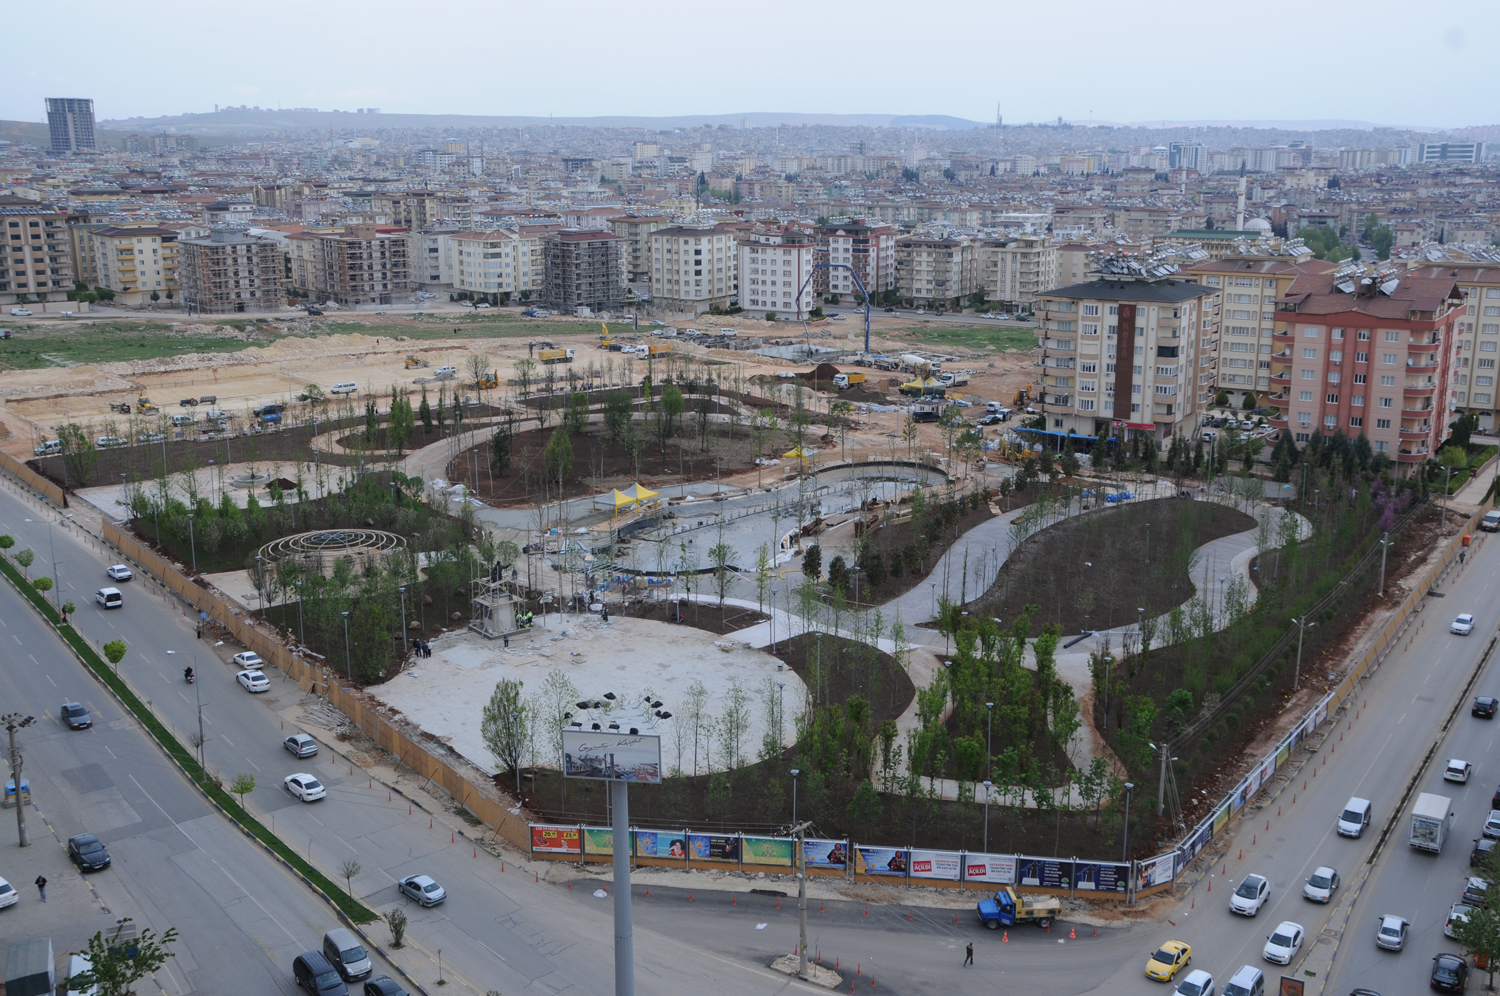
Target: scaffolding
[[494, 609]]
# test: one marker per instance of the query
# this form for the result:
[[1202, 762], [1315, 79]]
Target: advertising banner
[[1046, 873], [1283, 751], [775, 851], [1221, 818], [1155, 871], [943, 865], [660, 844], [609, 756], [1199, 839], [714, 847], [1101, 877], [554, 839], [997, 869], [598, 840], [885, 861], [825, 854]]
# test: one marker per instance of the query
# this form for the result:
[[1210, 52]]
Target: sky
[[1381, 61]]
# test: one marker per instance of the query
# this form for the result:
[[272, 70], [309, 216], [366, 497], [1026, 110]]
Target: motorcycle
[[188, 674]]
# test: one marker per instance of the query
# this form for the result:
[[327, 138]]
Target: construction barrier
[[33, 480]]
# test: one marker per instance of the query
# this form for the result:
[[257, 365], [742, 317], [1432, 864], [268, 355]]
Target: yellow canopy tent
[[798, 453], [636, 493]]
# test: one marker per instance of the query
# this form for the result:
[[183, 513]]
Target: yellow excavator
[[1023, 398], [143, 405], [412, 363], [605, 339], [488, 382]]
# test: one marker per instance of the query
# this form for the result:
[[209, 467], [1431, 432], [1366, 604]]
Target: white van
[[214, 415], [49, 447], [110, 598], [344, 387], [181, 421], [1491, 522], [1354, 818], [1248, 981], [78, 965]]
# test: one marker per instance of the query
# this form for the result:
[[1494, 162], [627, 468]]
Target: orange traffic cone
[[1072, 934], [1005, 937]]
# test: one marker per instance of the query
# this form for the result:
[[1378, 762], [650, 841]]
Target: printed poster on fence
[[1045, 873], [884, 861], [1155, 871], [1101, 877], [714, 847], [1221, 818], [776, 851], [997, 869], [825, 854], [943, 865], [660, 844], [598, 840], [554, 840]]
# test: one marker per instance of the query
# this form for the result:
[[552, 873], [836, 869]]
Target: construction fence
[[33, 480]]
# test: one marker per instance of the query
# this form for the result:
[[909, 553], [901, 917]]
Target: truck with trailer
[[844, 381], [1431, 819], [555, 356], [1009, 908], [658, 348]]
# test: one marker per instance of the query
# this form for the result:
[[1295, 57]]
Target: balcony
[[1418, 432], [1418, 365], [1419, 390], [1283, 337], [1062, 400], [1277, 423], [1403, 456], [1416, 411], [1282, 379]]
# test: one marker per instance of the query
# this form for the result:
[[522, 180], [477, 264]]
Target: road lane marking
[[49, 678], [253, 764], [112, 753], [226, 740], [17, 639]]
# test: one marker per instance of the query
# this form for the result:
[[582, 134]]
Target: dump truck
[[845, 381], [1431, 819], [953, 379], [412, 363], [143, 405], [1009, 908], [660, 347], [555, 356]]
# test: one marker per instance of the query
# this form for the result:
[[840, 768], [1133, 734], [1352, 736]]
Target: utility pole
[[800, 831], [15, 721], [1302, 625], [1385, 546]]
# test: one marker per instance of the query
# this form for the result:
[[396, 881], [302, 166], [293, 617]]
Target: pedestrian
[[969, 954], [1461, 555], [606, 613], [41, 886], [506, 638]]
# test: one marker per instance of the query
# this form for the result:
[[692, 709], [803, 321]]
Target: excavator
[[143, 405], [488, 382], [605, 339], [412, 363], [1023, 398]]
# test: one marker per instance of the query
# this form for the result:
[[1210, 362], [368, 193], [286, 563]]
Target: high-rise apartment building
[[1451, 152], [70, 123], [775, 269], [933, 271], [867, 249], [1128, 353], [37, 260], [1473, 370], [135, 261], [584, 269], [1368, 352], [635, 229], [692, 269], [1015, 269], [231, 272], [366, 265]]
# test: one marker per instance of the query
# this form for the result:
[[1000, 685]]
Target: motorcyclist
[[187, 673]]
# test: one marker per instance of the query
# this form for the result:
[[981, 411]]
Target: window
[[1304, 419], [1364, 335], [1357, 400], [1389, 359], [1085, 404], [1482, 398], [1360, 378], [1311, 332], [1492, 292], [1088, 366], [1381, 446], [1392, 336], [1333, 377], [1486, 364], [1091, 309], [1090, 328], [1331, 399], [1382, 423], [1385, 402], [1356, 420], [1304, 396], [1361, 357], [1336, 355], [1486, 347], [1302, 437], [1484, 381], [1489, 329], [1308, 374], [1309, 354], [1387, 380], [1330, 421]]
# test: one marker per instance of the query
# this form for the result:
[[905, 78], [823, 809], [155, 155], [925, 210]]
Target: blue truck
[[1009, 908]]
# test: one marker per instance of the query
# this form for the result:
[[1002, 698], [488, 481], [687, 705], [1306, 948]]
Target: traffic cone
[[867, 911], [690, 895], [1072, 934], [820, 907], [1005, 937], [778, 904], [1096, 932], [857, 968], [1242, 855], [1252, 841], [734, 900], [570, 885]]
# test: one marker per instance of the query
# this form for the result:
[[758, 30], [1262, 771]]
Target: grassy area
[[499, 325], [36, 346], [347, 904], [977, 337]]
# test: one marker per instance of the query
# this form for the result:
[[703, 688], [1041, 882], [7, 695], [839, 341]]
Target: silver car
[[1391, 934], [1321, 885], [422, 889]]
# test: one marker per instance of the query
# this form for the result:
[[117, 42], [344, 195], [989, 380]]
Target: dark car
[[76, 717], [87, 852], [383, 986], [1484, 707], [1450, 973], [1475, 890], [890, 311], [314, 311], [1495, 800], [313, 973], [1482, 847]]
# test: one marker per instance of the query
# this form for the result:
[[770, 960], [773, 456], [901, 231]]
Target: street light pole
[[192, 543], [1385, 546], [989, 751], [301, 634], [795, 773], [404, 643], [1126, 847], [987, 784], [348, 668], [13, 722], [773, 621]]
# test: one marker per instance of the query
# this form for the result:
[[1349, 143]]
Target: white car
[[20, 313], [1458, 911], [1458, 771], [8, 894], [119, 572], [301, 745], [105, 442], [1463, 625], [1196, 983], [1321, 885], [1284, 943], [422, 889], [1391, 934], [254, 681], [1252, 894], [248, 658], [1492, 824], [304, 787]]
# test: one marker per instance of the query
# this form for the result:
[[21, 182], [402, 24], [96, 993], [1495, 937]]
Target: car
[[890, 311], [1463, 625], [8, 894], [1246, 981], [119, 572], [254, 681], [1321, 885], [304, 786], [1492, 824], [1475, 890], [1196, 983], [1484, 706], [1450, 973], [248, 658], [1457, 913], [1169, 959], [314, 974], [383, 985], [20, 313], [110, 598], [1251, 895], [76, 717], [1480, 851], [105, 442], [301, 745], [313, 311], [1391, 934], [1457, 771], [1284, 943], [86, 851], [422, 889], [991, 419]]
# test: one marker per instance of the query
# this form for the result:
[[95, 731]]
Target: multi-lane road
[[243, 918]]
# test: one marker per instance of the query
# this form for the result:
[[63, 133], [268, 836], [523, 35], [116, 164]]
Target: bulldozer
[[144, 406], [412, 363]]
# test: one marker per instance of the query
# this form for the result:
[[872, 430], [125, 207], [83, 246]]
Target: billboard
[[554, 839], [883, 861], [1107, 876], [1045, 873], [598, 840], [936, 864], [610, 756], [825, 854], [999, 869], [1155, 871], [714, 847], [660, 844], [766, 851]]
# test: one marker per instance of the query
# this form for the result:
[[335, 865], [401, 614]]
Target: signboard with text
[[612, 757]]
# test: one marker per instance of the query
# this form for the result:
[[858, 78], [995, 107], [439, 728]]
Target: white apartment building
[[693, 269], [500, 261], [868, 249], [776, 268], [1013, 271]]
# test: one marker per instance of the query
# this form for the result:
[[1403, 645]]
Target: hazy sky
[[1399, 63]]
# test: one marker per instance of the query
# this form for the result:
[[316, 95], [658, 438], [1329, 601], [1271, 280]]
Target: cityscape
[[795, 547]]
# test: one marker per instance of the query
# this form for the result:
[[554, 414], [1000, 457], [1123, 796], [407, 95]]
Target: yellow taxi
[[1168, 960]]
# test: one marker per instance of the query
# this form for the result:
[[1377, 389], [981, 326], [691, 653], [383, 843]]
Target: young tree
[[349, 870], [117, 963], [839, 416], [838, 574], [812, 563], [763, 568], [557, 457], [425, 412], [501, 444], [718, 556], [396, 921], [242, 786], [617, 415], [114, 650], [503, 724]]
